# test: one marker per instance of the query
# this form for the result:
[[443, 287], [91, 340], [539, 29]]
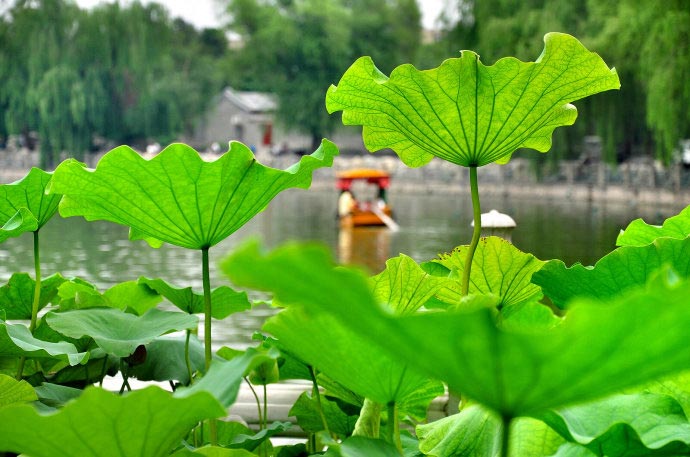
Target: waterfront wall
[[640, 181]]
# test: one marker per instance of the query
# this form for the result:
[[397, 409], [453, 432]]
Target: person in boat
[[346, 203]]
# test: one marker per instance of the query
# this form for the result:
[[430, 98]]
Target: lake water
[[430, 224]]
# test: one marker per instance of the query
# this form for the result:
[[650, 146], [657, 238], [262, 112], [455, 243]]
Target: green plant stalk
[[35, 302], [37, 288], [208, 354], [476, 233], [256, 397], [393, 429], [317, 395], [265, 425], [187, 359]]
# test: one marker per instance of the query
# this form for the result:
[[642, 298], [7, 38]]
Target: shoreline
[[513, 180]]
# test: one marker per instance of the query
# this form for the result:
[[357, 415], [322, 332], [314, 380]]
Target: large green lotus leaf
[[223, 379], [116, 332], [323, 342], [596, 350], [177, 197], [639, 233], [16, 341], [677, 386], [224, 300], [13, 391], [532, 437], [24, 205], [21, 222], [16, 297], [130, 295], [405, 287], [473, 432], [250, 441], [359, 446], [498, 268], [133, 296], [468, 113], [625, 425], [307, 410], [56, 395], [213, 451], [148, 422], [573, 450], [618, 271], [165, 360]]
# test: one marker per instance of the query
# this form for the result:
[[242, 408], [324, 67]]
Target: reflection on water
[[366, 246], [430, 224]]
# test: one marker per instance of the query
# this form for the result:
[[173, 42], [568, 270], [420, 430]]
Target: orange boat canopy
[[371, 175]]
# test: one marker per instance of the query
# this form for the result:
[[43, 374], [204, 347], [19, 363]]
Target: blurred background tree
[[124, 74], [132, 74]]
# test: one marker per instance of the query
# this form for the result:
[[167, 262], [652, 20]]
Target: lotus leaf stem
[[213, 430], [35, 302], [476, 233], [317, 396]]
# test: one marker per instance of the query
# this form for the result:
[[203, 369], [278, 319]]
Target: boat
[[361, 213]]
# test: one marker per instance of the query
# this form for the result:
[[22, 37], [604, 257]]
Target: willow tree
[[127, 74]]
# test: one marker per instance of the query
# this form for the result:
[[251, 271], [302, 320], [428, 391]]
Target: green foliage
[[225, 301], [385, 343], [149, 422], [16, 296], [16, 341], [639, 233], [621, 270], [615, 426], [116, 332], [467, 113], [119, 73], [13, 391], [650, 114], [177, 197], [165, 360], [499, 269], [307, 412], [473, 431], [513, 371], [24, 206], [337, 351], [405, 287]]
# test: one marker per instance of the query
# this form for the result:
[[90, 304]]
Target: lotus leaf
[[596, 350], [16, 296], [16, 341], [147, 422], [165, 360], [13, 391], [624, 425], [639, 233], [24, 206], [343, 355], [474, 431], [224, 300], [405, 287], [116, 332], [498, 268], [625, 268], [468, 113], [177, 197]]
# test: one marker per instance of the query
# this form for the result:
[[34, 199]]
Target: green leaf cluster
[[547, 360]]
